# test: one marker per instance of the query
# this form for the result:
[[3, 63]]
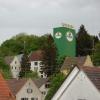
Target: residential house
[[81, 84], [5, 92], [36, 63], [24, 89], [70, 62], [15, 64]]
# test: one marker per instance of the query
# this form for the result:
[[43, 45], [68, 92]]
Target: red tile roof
[[36, 55], [4, 90], [94, 75]]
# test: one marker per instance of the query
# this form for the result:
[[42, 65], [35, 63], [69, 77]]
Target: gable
[[80, 88], [29, 90], [15, 62], [88, 61]]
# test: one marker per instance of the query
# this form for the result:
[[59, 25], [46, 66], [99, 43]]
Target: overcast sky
[[40, 16]]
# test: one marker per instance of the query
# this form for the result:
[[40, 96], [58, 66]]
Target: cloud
[[40, 16]]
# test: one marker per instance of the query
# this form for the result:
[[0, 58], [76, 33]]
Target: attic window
[[24, 98], [36, 63], [29, 90]]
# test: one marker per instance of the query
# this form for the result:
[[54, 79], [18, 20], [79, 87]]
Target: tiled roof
[[94, 75], [70, 61], [5, 92], [36, 55], [2, 97], [8, 59], [15, 85], [39, 82]]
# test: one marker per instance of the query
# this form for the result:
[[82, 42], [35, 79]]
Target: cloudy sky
[[40, 16]]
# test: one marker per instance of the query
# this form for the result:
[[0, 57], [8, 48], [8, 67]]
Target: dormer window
[[29, 90]]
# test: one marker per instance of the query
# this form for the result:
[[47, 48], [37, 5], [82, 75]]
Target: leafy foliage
[[5, 70], [96, 56], [31, 74], [15, 45], [56, 82], [25, 65], [84, 42], [49, 56]]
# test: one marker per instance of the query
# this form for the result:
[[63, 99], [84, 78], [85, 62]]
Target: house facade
[[24, 89], [15, 66], [71, 62], [36, 63], [81, 84]]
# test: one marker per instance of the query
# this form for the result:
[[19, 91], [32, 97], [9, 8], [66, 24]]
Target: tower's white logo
[[58, 35], [69, 36]]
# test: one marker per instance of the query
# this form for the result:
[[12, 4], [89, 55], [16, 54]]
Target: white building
[[81, 84], [24, 89], [15, 64], [36, 62]]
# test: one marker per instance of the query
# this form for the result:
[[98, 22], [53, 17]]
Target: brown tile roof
[[36, 55], [5, 92], [15, 85], [94, 75], [39, 82], [8, 59], [70, 61]]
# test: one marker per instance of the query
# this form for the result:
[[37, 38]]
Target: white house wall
[[66, 83], [81, 88], [23, 92], [15, 67], [38, 66], [43, 89], [33, 65]]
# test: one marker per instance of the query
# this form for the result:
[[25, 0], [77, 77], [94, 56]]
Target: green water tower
[[65, 40]]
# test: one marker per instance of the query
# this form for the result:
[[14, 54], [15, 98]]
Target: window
[[41, 63], [12, 67], [15, 62], [29, 90], [24, 98], [43, 92], [36, 63], [41, 76], [34, 98], [15, 67], [47, 85]]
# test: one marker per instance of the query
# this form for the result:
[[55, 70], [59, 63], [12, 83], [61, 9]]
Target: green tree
[[49, 56], [96, 55], [56, 82], [25, 65], [4, 69], [84, 42]]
